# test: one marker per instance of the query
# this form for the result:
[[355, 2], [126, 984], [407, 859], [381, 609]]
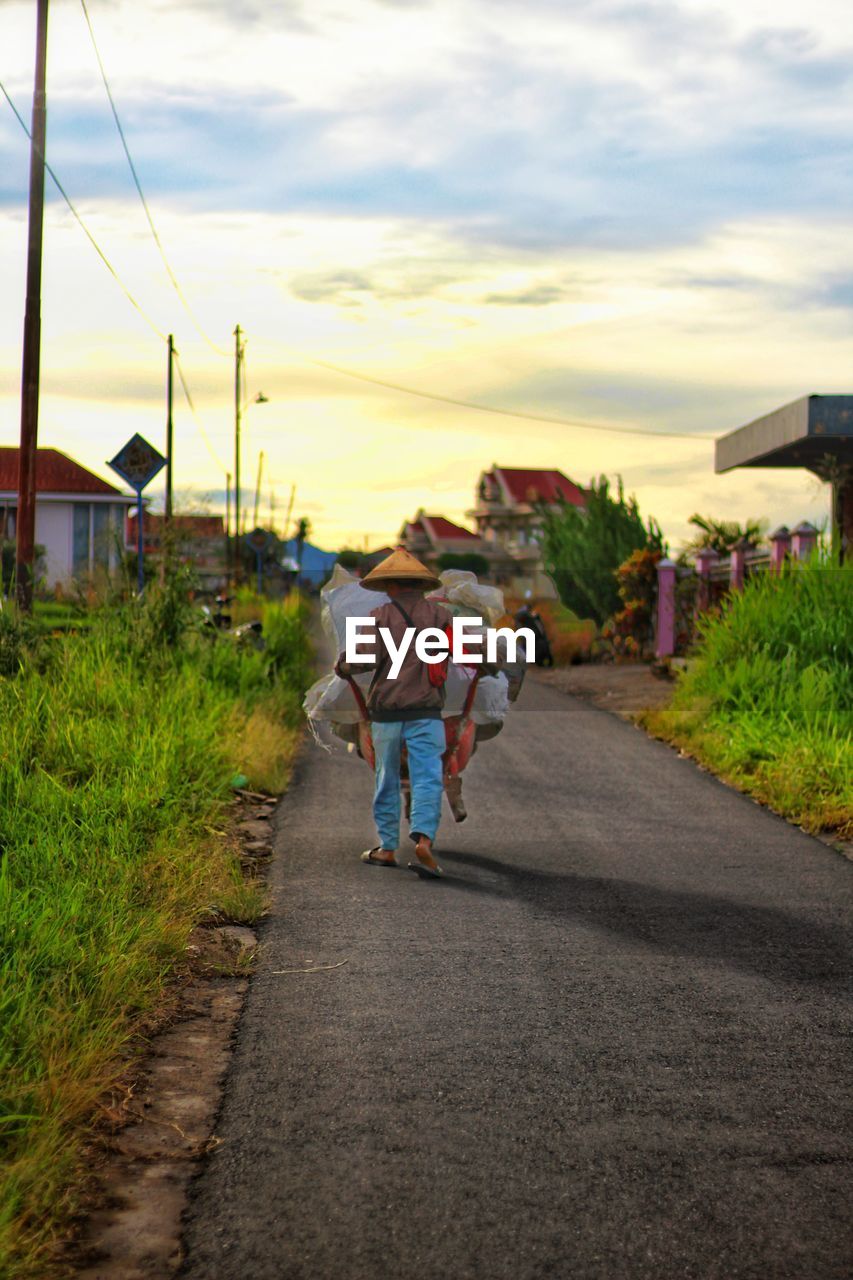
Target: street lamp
[[240, 405]]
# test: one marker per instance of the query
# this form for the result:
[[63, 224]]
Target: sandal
[[369, 856], [426, 864], [425, 872]]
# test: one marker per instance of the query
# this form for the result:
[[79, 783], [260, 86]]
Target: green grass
[[115, 760], [767, 698], [57, 615]]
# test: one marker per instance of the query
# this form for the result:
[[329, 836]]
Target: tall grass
[[767, 699], [116, 754]]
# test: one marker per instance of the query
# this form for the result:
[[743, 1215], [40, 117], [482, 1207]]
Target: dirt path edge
[[144, 1156]]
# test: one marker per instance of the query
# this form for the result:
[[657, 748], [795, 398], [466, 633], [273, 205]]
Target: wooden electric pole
[[169, 428], [167, 539], [227, 529], [258, 488], [238, 408], [25, 526]]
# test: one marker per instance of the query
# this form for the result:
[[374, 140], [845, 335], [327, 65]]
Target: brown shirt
[[411, 696]]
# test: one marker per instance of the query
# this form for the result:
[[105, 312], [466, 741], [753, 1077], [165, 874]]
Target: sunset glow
[[608, 213]]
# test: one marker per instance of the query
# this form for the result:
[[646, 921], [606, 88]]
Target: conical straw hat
[[402, 566]]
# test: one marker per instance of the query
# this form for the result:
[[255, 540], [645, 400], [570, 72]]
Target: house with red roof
[[508, 515], [80, 518], [429, 537], [199, 540]]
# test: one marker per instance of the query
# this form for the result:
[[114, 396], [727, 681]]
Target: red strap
[[438, 670], [359, 698]]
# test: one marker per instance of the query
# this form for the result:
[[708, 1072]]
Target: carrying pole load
[[476, 699]]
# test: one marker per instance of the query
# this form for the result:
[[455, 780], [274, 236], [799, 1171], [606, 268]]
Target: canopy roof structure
[[815, 432]]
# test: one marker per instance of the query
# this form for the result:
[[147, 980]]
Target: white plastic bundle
[[344, 597], [472, 599], [332, 699]]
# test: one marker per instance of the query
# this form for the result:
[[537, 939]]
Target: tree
[[469, 560], [348, 558], [303, 528], [583, 547], [722, 535]]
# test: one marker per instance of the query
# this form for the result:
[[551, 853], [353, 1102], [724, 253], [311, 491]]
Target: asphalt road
[[613, 1042]]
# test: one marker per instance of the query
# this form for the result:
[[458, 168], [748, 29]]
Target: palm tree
[[303, 528], [722, 535]]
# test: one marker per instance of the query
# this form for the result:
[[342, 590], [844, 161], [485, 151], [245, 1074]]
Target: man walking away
[[405, 711]]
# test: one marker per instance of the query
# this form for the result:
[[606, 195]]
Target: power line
[[509, 413], [210, 449], [322, 364], [172, 277], [90, 237]]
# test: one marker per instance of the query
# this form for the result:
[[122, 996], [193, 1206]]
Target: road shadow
[[765, 941]]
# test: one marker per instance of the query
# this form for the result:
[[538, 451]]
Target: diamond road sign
[[138, 462], [258, 540]]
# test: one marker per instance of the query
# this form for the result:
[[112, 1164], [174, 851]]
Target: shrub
[[470, 560], [767, 699], [631, 631]]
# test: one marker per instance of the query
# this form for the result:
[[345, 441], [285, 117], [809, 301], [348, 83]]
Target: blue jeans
[[424, 741]]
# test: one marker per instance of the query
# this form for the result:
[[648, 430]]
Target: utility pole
[[238, 396], [169, 430], [284, 536], [228, 528], [258, 487], [25, 528], [167, 540]]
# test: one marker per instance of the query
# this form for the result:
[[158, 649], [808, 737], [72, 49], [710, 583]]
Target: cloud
[[835, 292], [538, 140], [793, 56], [537, 296], [331, 286], [240, 14], [628, 211]]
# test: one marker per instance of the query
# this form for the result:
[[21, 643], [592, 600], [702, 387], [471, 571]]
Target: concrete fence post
[[705, 561], [665, 639], [737, 564], [780, 547], [803, 540]]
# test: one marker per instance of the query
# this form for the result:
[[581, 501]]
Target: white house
[[80, 518], [508, 516]]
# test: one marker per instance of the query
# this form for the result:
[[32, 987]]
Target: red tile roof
[[188, 526], [446, 529], [55, 473], [526, 485]]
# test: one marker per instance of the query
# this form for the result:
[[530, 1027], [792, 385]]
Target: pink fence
[[684, 593]]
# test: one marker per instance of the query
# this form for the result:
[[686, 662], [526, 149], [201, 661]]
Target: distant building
[[316, 564], [508, 516], [199, 541], [429, 537], [370, 560], [79, 517]]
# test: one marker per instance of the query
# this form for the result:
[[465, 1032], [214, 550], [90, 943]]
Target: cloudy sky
[[607, 211]]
